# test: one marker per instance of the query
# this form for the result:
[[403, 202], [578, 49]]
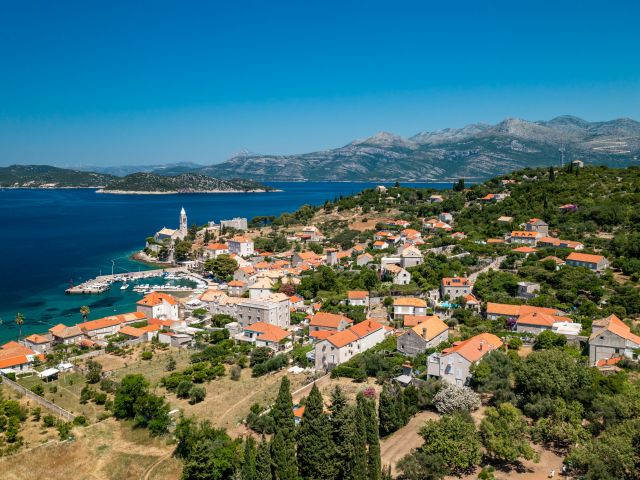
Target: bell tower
[[183, 222]]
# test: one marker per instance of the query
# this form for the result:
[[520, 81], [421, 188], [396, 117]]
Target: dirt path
[[400, 443], [147, 474]]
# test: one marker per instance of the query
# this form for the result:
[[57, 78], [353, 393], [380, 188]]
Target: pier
[[102, 283]]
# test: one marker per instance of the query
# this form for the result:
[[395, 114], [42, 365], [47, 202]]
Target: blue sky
[[135, 82]]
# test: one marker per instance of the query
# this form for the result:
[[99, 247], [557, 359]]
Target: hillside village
[[507, 310]]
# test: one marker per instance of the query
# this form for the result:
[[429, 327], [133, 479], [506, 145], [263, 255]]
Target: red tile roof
[[330, 320], [474, 348], [156, 298]]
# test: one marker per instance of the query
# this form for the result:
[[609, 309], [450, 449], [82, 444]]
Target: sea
[[52, 238]]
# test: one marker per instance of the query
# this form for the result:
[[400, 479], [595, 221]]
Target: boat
[[124, 287]]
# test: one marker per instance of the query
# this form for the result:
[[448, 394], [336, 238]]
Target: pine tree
[[316, 451], [552, 174], [249, 461], [263, 461], [343, 428], [374, 463], [283, 444]]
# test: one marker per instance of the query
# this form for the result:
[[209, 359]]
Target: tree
[[548, 339], [133, 400], [552, 174], [374, 462], [283, 444], [19, 322], [212, 455], [197, 394], [451, 398], [343, 430], [455, 440], [459, 185], [390, 410], [316, 450], [263, 461], [222, 266], [248, 471], [94, 372], [85, 311], [504, 433], [360, 440], [419, 466]]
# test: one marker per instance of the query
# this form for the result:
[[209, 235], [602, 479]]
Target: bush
[[183, 389], [235, 372], [197, 394], [451, 399], [100, 398], [515, 343], [80, 420], [64, 430], [146, 355], [49, 421], [38, 389]]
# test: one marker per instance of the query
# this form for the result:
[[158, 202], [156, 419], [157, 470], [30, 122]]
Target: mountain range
[[476, 151]]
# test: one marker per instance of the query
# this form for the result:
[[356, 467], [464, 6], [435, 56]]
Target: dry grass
[[109, 450]]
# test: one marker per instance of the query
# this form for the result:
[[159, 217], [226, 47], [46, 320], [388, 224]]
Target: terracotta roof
[[237, 283], [539, 319], [362, 329], [585, 257], [217, 246], [474, 348], [295, 299], [524, 234], [298, 412], [357, 294], [430, 328], [330, 320], [366, 327], [409, 301], [495, 240], [38, 339], [557, 260], [413, 320], [268, 332], [131, 331], [111, 321], [240, 239], [456, 281], [608, 361], [525, 250], [322, 334], [307, 255], [13, 361], [156, 298], [63, 331], [470, 298], [517, 310]]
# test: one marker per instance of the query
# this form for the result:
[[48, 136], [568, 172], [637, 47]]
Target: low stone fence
[[304, 391], [38, 399]]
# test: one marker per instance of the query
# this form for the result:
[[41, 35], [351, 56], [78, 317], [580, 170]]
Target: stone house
[[428, 334]]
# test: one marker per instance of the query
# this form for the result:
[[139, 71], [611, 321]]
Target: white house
[[358, 298], [453, 365], [396, 274], [612, 338], [240, 245], [264, 335], [408, 306], [158, 305], [342, 346], [454, 287], [214, 249]]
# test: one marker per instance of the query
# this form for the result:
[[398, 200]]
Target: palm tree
[[85, 311], [19, 322]]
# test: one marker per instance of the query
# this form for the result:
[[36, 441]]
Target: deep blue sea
[[51, 237]]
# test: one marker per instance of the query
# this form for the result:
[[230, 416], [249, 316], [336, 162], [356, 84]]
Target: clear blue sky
[[133, 82]]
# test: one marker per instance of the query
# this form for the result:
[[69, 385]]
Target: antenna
[[561, 150]]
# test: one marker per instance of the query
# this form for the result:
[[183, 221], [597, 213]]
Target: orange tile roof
[[456, 281], [328, 320], [131, 331], [35, 338], [340, 339], [525, 250], [322, 334], [63, 331], [366, 327], [539, 319], [524, 234], [495, 240], [156, 298], [362, 329], [217, 246], [413, 320], [13, 361], [240, 239], [409, 301], [433, 327], [295, 299], [237, 283], [470, 298], [307, 255], [150, 328], [298, 412], [268, 332], [357, 294], [585, 257], [557, 260], [608, 361], [379, 243], [517, 310], [111, 321], [474, 348]]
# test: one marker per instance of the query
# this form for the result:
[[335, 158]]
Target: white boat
[[124, 287]]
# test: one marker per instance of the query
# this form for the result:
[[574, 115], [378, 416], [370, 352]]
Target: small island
[[150, 183]]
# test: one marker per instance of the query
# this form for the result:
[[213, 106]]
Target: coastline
[[145, 259], [180, 192]]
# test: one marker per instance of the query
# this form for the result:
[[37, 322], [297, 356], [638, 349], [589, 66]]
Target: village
[[305, 301]]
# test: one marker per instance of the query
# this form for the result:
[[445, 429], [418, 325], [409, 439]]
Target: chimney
[[424, 333], [481, 344]]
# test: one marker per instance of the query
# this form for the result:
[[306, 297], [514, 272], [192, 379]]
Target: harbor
[[102, 283]]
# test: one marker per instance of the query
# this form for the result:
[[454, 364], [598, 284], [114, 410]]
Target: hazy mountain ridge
[[477, 150]]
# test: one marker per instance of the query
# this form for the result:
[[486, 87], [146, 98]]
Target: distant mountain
[[123, 170], [475, 151], [143, 182], [32, 176]]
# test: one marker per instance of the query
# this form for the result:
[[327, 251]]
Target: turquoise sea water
[[52, 237]]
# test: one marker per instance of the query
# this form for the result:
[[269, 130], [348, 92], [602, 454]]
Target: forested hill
[[33, 176], [184, 183]]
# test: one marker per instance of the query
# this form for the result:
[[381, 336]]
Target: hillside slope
[[32, 176], [183, 183]]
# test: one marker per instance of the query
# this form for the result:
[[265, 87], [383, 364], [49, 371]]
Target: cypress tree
[[263, 461], [374, 463], [316, 451], [249, 461], [283, 444], [552, 174], [388, 412], [360, 440], [343, 428]]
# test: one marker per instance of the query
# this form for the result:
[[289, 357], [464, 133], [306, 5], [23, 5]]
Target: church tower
[[183, 223]]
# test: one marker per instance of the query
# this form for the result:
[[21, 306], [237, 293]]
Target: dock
[[102, 283]]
